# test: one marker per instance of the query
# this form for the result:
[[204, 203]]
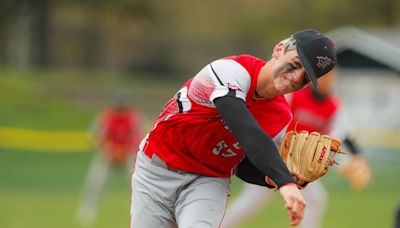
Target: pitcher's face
[[289, 74]]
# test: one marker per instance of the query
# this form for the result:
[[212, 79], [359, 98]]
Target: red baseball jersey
[[190, 135], [121, 132], [312, 114]]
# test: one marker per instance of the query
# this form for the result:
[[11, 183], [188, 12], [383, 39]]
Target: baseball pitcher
[[183, 169]]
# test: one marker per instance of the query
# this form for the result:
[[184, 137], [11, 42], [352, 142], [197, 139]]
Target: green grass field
[[42, 189]]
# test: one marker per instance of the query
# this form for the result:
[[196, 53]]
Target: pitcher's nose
[[299, 75]]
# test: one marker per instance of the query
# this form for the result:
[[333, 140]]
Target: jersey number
[[222, 149]]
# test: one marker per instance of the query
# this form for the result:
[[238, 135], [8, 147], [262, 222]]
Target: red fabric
[[197, 141], [312, 114], [120, 133]]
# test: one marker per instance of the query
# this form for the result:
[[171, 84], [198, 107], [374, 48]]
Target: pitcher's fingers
[[294, 221], [302, 203], [292, 217], [290, 209], [297, 211], [289, 204]]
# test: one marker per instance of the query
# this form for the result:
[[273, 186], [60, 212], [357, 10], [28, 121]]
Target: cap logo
[[323, 62]]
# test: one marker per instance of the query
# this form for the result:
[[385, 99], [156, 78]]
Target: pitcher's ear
[[278, 49]]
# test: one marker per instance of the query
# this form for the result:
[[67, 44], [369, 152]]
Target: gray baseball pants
[[172, 198]]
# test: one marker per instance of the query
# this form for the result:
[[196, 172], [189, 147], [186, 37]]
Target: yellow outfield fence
[[379, 138], [44, 141], [79, 141]]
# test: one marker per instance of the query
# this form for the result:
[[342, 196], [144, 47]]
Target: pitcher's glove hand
[[357, 172], [308, 156]]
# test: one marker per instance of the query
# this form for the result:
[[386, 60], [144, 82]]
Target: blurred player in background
[[312, 111], [116, 133]]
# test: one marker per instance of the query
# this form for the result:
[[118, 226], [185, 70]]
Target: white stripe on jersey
[[213, 82], [233, 76]]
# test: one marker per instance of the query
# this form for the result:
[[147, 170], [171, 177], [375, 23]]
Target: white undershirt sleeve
[[216, 79]]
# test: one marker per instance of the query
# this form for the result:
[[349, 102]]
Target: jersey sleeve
[[216, 79]]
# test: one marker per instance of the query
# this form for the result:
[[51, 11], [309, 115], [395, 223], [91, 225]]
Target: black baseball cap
[[317, 53]]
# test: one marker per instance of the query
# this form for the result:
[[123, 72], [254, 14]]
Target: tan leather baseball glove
[[308, 156], [357, 172]]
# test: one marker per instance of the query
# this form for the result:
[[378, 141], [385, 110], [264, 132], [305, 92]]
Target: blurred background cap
[[123, 98]]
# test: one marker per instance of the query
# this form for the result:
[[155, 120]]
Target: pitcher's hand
[[294, 202]]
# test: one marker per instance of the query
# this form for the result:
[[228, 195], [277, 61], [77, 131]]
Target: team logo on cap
[[323, 62]]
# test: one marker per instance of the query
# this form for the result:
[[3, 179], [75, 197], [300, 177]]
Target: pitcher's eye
[[290, 66]]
